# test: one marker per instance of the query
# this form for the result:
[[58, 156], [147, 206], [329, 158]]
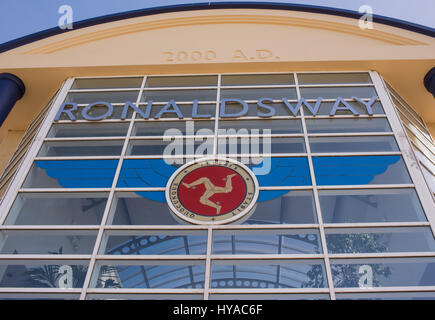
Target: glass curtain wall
[[338, 214]]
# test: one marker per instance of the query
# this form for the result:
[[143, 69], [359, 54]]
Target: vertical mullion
[[208, 262], [110, 199], [316, 198], [216, 123]]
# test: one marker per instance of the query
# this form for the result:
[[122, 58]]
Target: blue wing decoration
[[80, 173], [354, 170]]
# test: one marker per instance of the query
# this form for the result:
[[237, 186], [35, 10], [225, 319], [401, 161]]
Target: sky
[[20, 18]]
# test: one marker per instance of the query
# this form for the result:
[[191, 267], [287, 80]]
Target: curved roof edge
[[221, 5]]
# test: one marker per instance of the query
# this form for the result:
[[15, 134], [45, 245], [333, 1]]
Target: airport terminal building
[[219, 152]]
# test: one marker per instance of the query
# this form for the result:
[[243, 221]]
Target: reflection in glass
[[333, 78], [71, 174], [172, 146], [262, 275], [227, 127], [387, 296], [255, 94], [106, 96], [262, 145], [162, 242], [159, 128], [258, 79], [347, 125], [334, 92], [380, 205], [150, 274], [380, 240], [47, 242], [81, 148], [383, 272], [268, 296], [284, 206], [181, 81], [107, 83], [141, 208], [42, 274], [179, 95], [326, 108], [57, 209], [71, 130], [360, 170], [266, 242], [353, 144]]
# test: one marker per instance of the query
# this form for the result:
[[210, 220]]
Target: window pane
[[71, 174], [47, 242], [255, 94], [333, 78], [266, 242], [334, 92], [383, 272], [57, 209], [141, 208], [287, 126], [106, 96], [150, 274], [380, 205], [380, 240], [262, 275], [281, 171], [81, 148], [42, 274], [175, 146], [145, 173], [158, 242], [187, 81], [347, 125], [107, 83], [257, 79], [88, 130], [353, 144], [160, 128], [262, 145], [179, 95], [254, 110], [360, 170], [284, 206]]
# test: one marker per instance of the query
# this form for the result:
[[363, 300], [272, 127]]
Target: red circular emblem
[[211, 191]]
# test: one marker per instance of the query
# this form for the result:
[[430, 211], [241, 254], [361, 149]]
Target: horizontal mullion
[[79, 158], [145, 89], [45, 257], [132, 189], [265, 258], [258, 86], [50, 228], [350, 154], [351, 134], [354, 257], [334, 85], [269, 291], [112, 138], [91, 121], [287, 188], [103, 90], [121, 291], [120, 228], [147, 257], [375, 225], [262, 155], [63, 190], [372, 186], [160, 138], [345, 116], [57, 291], [386, 289], [262, 135]]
